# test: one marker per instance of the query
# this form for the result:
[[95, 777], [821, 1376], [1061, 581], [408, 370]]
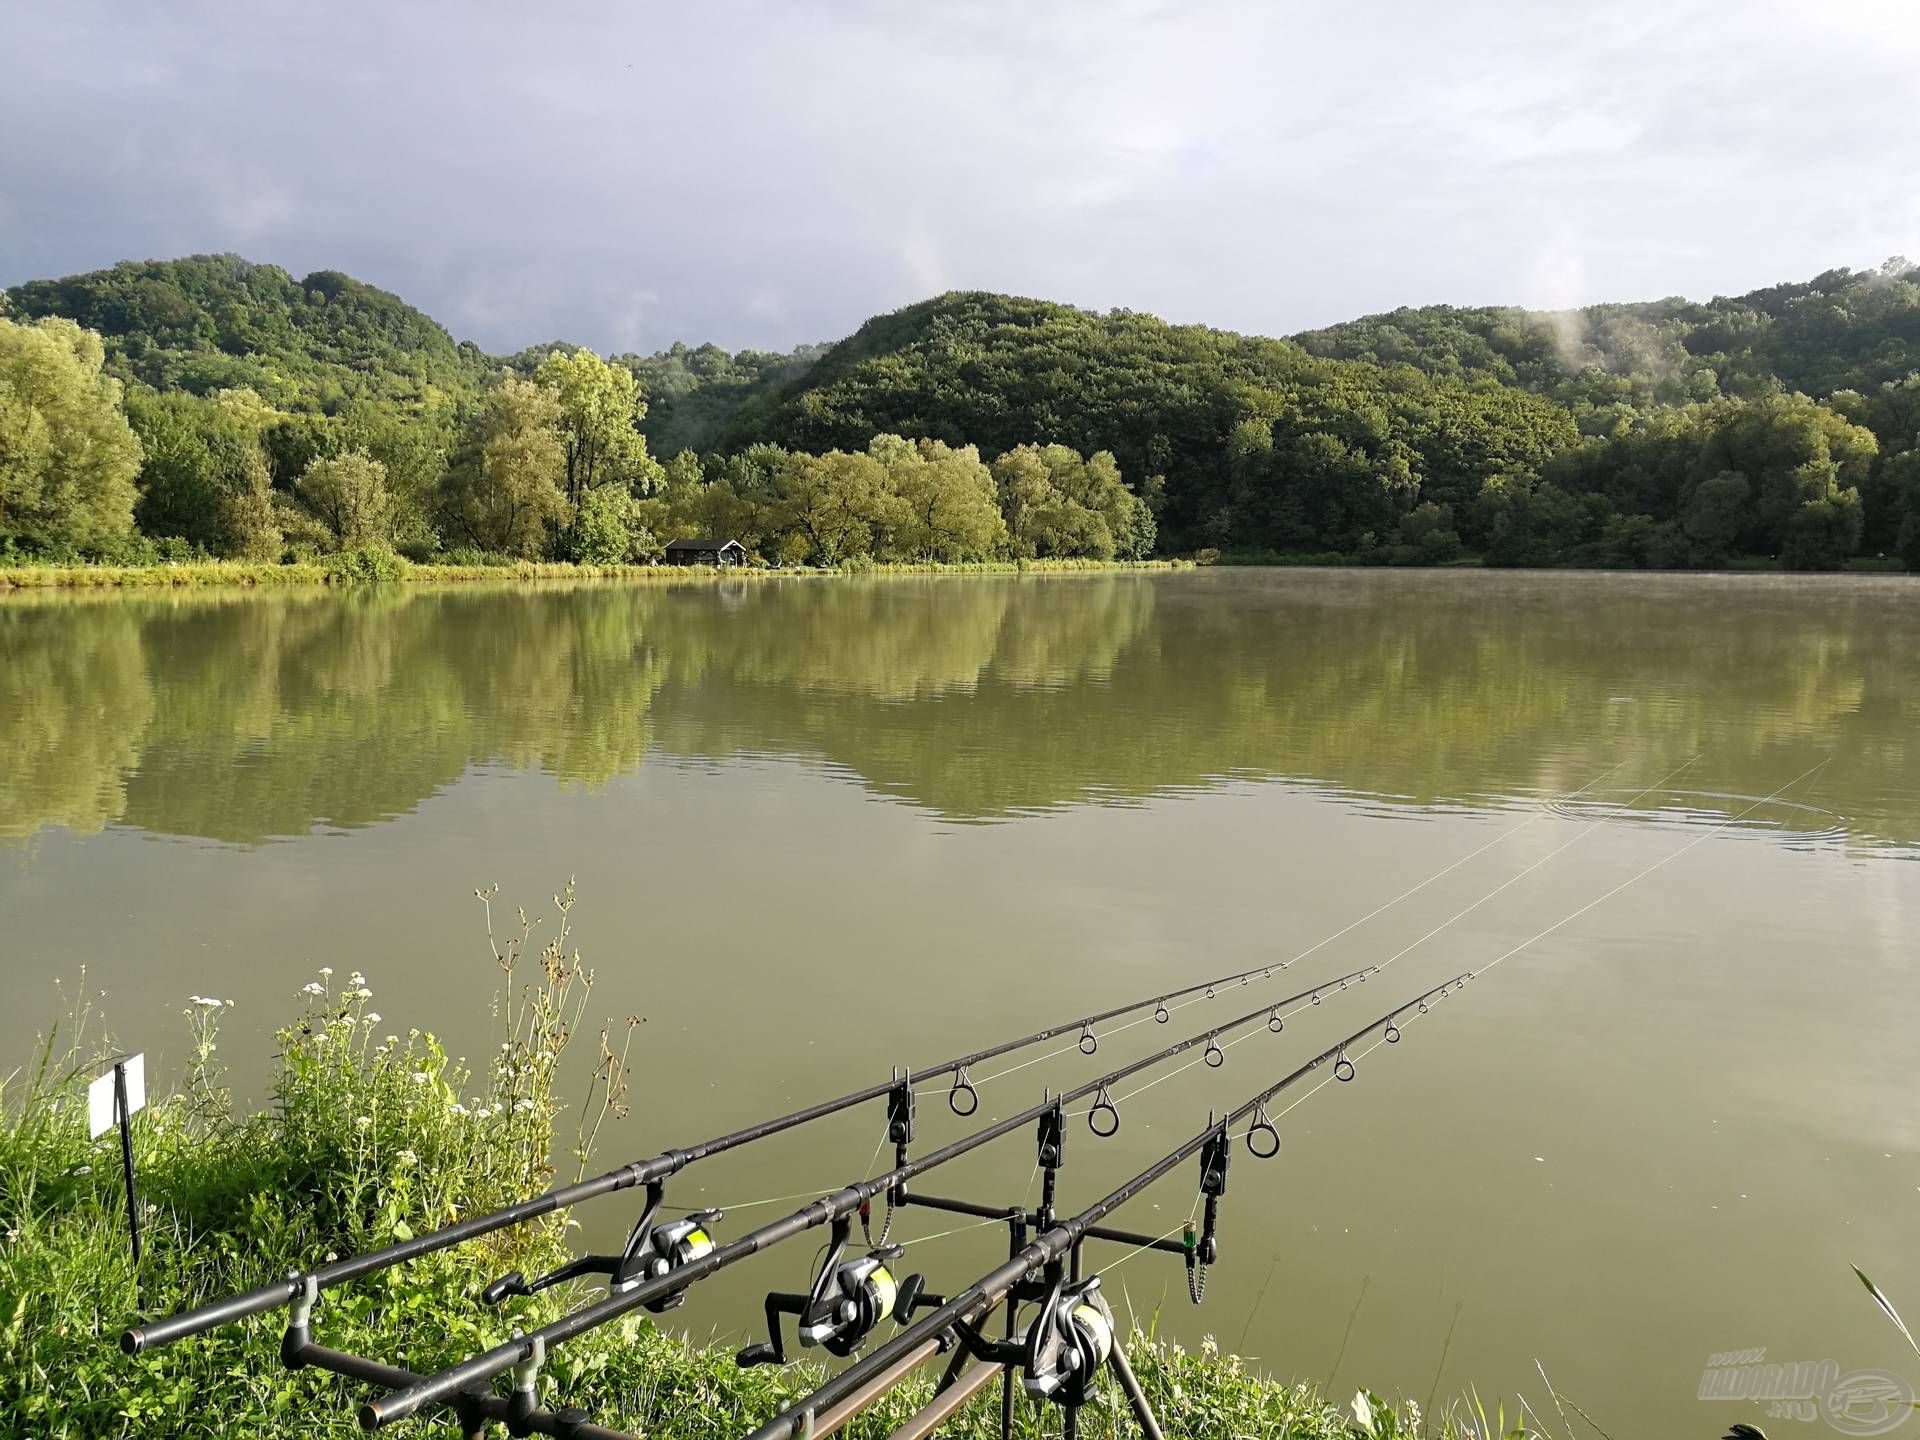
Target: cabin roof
[[708, 543]]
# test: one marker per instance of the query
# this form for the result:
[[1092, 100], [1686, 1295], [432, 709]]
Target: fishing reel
[[848, 1301], [651, 1253], [1068, 1344]]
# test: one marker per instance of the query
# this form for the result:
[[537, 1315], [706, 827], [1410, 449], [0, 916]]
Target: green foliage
[[1611, 435], [216, 322], [348, 496], [695, 391], [1910, 525], [366, 565], [67, 455], [502, 488], [1165, 401], [609, 529], [1843, 329], [599, 418]]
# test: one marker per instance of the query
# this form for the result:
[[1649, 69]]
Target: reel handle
[[508, 1285]]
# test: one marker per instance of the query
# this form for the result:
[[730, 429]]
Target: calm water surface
[[823, 827]]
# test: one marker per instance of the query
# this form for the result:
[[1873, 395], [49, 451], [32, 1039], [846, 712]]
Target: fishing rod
[[525, 1354], [1073, 1336], [963, 1098]]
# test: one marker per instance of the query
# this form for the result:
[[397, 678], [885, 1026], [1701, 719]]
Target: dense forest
[[211, 406]]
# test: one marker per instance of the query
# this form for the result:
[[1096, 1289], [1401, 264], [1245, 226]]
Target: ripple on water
[[1758, 815]]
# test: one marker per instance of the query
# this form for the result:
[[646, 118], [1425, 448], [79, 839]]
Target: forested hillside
[[270, 416]]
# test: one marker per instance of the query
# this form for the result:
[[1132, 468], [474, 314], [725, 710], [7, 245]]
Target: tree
[[1795, 453], [1058, 504], [348, 495], [946, 500], [838, 502], [1822, 533], [1428, 530], [67, 455], [1716, 516], [1910, 524], [249, 522], [502, 490], [609, 528], [201, 455], [599, 421]]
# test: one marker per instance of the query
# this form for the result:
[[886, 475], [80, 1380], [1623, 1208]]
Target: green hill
[[1844, 330], [214, 322], [1779, 423]]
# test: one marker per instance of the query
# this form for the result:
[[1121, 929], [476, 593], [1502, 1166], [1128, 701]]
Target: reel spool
[[858, 1295], [651, 1252], [668, 1247], [848, 1301], [1068, 1344]]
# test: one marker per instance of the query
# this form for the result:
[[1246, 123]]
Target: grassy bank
[[359, 569], [374, 1133]]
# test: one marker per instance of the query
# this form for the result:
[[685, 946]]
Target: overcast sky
[[765, 173]]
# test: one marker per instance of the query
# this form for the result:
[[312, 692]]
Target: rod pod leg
[[1136, 1397]]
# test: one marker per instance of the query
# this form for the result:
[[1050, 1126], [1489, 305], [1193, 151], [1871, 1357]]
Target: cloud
[[628, 175]]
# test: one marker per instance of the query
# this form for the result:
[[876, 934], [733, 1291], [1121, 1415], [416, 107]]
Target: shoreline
[[240, 574]]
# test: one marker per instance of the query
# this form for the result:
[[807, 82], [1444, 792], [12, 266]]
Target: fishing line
[[1621, 809], [957, 1230], [1570, 918], [1142, 1249], [1181, 1069], [1658, 864], [1504, 835], [751, 1204], [1171, 1010], [1378, 910]]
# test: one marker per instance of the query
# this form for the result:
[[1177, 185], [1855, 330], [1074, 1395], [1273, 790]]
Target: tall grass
[[365, 567], [373, 1134]]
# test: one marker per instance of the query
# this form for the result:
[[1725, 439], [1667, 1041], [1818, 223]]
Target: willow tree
[[502, 489], [67, 455], [600, 410]]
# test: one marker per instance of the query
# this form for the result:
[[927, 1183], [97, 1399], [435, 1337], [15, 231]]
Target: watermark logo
[[1858, 1402]]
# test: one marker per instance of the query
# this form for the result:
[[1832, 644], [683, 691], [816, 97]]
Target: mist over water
[[821, 827]]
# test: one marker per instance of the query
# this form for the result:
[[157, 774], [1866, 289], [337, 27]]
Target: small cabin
[[718, 553]]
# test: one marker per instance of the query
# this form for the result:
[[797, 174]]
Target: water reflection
[[241, 717]]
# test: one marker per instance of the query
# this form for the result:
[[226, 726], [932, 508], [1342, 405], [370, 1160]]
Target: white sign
[[102, 1113]]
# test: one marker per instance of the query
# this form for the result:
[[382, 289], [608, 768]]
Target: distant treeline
[[210, 406], [553, 466]]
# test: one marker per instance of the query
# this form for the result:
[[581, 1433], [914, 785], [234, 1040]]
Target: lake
[[825, 826]]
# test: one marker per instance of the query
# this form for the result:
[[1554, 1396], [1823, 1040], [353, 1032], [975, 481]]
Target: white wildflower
[[457, 1108], [523, 1105], [313, 987], [373, 1018], [363, 993], [326, 969], [421, 1077], [361, 1122], [407, 1157]]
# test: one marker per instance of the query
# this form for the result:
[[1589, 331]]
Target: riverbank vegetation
[[372, 1134], [213, 408], [377, 566]]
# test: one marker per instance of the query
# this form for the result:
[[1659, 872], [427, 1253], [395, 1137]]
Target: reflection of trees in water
[[239, 717], [75, 701]]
